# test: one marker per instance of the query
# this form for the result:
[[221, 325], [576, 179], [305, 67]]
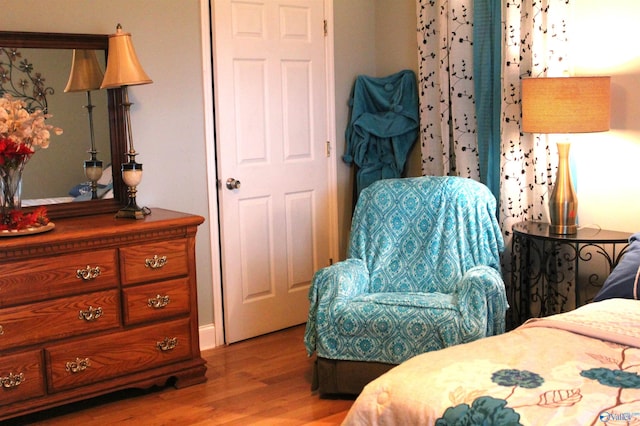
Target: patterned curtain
[[446, 87], [534, 45]]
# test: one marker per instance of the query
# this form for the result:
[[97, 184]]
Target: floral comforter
[[576, 368]]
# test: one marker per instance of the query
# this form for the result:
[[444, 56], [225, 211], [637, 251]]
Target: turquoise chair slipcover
[[422, 273]]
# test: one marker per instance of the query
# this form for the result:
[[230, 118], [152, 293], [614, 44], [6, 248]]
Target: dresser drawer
[[21, 377], [103, 357], [155, 301], [52, 319], [55, 276], [155, 261]]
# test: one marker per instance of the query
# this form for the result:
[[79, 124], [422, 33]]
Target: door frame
[[213, 335]]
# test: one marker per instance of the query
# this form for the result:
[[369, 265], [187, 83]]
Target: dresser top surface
[[101, 226]]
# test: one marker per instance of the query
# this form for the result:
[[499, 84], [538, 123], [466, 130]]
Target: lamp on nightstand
[[124, 70], [565, 105]]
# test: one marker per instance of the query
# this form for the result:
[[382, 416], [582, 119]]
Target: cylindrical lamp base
[[563, 229], [563, 203]]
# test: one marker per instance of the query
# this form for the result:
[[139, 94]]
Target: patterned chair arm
[[481, 296], [340, 281]]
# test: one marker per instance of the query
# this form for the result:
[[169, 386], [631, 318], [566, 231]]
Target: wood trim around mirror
[[116, 117]]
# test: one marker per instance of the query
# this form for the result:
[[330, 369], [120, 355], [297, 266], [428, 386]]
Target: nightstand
[[554, 273]]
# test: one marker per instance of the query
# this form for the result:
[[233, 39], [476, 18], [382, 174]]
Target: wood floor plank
[[261, 381]]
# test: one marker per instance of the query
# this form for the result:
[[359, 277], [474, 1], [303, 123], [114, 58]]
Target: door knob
[[233, 184]]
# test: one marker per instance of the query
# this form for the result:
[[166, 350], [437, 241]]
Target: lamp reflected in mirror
[[86, 76], [123, 70]]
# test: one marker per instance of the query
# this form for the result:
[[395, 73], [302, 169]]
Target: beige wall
[[604, 36], [396, 49], [376, 38], [354, 53]]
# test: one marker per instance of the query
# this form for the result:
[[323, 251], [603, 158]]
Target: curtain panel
[[448, 123], [535, 44]]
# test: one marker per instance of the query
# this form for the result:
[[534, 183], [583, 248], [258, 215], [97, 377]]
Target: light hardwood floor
[[262, 381]]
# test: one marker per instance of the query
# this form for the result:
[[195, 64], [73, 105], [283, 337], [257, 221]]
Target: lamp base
[[130, 213], [563, 229], [563, 202], [132, 210]]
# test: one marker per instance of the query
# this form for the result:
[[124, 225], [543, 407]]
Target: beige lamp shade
[[566, 104], [123, 67], [85, 72]]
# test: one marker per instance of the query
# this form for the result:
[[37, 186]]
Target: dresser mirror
[[55, 176]]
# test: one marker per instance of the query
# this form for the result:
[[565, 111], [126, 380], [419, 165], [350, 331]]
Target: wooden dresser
[[96, 305]]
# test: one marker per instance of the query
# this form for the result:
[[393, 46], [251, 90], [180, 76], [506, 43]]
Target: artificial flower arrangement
[[18, 220], [21, 132]]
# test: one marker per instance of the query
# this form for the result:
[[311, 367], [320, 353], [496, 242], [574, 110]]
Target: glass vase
[[10, 191]]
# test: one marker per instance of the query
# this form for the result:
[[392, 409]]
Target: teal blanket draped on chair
[[422, 273], [383, 126]]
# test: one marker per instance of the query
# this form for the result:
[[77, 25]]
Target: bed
[[581, 367]]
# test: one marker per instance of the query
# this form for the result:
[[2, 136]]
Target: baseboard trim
[[207, 334]]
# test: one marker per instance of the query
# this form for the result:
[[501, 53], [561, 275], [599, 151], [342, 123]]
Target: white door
[[271, 121]]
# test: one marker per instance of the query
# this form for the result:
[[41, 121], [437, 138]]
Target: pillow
[[81, 188], [623, 280]]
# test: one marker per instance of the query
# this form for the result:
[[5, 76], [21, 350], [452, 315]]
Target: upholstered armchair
[[422, 273]]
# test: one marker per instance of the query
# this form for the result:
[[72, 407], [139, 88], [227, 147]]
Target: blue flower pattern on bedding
[[613, 378], [421, 274], [512, 377], [485, 410], [489, 410]]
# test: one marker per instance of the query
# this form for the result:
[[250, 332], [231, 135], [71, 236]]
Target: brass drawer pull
[[1, 330], [88, 273], [167, 344], [77, 366], [158, 302], [156, 263], [12, 380], [90, 314]]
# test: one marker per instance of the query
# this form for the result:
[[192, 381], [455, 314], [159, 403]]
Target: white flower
[[17, 124]]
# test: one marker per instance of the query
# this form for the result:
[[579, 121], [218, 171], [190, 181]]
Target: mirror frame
[[18, 39]]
